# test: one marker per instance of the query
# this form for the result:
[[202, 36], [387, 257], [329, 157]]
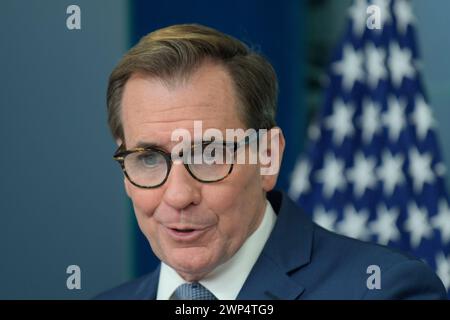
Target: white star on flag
[[422, 117], [325, 219], [442, 221], [385, 14], [375, 64], [357, 13], [370, 120], [332, 175], [350, 67], [390, 172], [340, 122], [300, 179], [417, 224], [420, 169], [443, 269], [394, 117], [404, 14], [354, 223], [400, 64], [385, 226], [362, 174]]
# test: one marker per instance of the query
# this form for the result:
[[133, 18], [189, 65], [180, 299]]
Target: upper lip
[[183, 227]]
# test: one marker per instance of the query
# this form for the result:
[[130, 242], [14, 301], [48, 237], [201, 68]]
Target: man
[[218, 228]]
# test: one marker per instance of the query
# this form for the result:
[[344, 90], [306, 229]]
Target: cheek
[[245, 186], [236, 201], [144, 201]]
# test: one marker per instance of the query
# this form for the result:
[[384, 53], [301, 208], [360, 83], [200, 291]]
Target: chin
[[192, 262]]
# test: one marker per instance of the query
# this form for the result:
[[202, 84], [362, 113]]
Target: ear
[[271, 154], [126, 184]]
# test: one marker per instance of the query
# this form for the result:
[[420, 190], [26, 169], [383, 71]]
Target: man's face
[[222, 214]]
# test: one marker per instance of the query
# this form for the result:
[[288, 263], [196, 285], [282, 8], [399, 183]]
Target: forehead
[[152, 109]]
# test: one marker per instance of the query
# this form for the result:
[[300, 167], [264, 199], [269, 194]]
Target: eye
[[150, 159]]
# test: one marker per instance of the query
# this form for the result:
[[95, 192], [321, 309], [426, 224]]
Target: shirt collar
[[226, 280]]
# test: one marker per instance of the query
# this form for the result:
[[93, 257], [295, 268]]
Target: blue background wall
[[61, 195], [434, 45]]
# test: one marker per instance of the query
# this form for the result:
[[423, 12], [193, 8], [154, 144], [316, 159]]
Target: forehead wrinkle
[[190, 122], [185, 105], [172, 113]]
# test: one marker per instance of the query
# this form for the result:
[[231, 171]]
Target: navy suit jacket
[[301, 260]]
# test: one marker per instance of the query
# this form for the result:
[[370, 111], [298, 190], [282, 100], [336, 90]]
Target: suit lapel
[[268, 282], [287, 249], [148, 287]]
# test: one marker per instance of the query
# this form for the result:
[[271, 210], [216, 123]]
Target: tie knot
[[192, 291]]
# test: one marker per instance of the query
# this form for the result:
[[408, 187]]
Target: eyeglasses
[[149, 167]]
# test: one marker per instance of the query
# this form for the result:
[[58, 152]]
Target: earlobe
[[268, 182]]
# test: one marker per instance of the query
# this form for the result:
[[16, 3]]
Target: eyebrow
[[143, 144]]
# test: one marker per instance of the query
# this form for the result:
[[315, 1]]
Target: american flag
[[373, 169]]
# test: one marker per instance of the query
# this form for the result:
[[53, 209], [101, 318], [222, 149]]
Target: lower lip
[[186, 236]]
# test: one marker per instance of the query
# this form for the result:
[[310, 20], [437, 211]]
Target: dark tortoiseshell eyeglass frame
[[121, 153]]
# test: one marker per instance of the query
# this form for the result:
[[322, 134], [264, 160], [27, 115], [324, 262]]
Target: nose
[[181, 189]]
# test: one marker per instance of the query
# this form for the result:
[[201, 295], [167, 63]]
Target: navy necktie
[[192, 291]]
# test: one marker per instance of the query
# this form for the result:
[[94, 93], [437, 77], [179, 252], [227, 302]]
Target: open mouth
[[183, 230], [185, 234]]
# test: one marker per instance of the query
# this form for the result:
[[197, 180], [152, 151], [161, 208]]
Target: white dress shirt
[[227, 279]]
